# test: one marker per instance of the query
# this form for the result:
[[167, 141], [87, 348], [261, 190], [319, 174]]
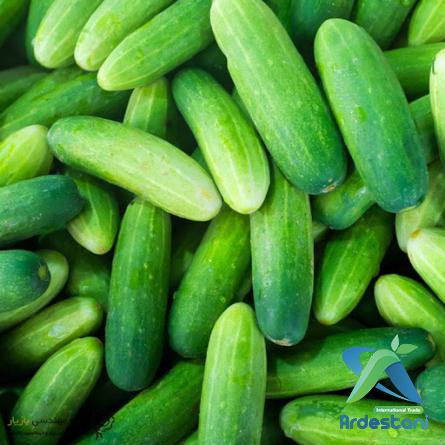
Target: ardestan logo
[[381, 361]]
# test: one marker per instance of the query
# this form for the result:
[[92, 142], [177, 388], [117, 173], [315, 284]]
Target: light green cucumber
[[137, 161], [437, 96], [11, 14], [162, 44], [427, 23], [210, 284], [57, 391], [283, 262], [232, 150], [280, 94], [109, 24], [432, 390], [234, 378]]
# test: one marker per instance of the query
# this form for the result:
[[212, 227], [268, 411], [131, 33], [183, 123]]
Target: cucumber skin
[[235, 377], [429, 384], [210, 284], [153, 50], [288, 127], [138, 297], [11, 14], [24, 277], [427, 23], [437, 97], [50, 394], [283, 262], [397, 178], [316, 366]]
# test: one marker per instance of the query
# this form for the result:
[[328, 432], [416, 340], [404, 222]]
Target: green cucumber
[[191, 440], [162, 44], [57, 391], [432, 390], [24, 155], [437, 97], [176, 182], [59, 29], [24, 277], [299, 132], [234, 378], [427, 23], [283, 10], [350, 260], [314, 420], [29, 345], [232, 150], [214, 62], [210, 284], [109, 24], [37, 206], [283, 262], [316, 366], [11, 14], [423, 118], [58, 269]]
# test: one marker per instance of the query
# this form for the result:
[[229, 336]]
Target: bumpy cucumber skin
[[350, 260], [24, 277], [235, 378], [432, 390], [11, 13], [209, 286], [427, 23], [314, 420], [57, 391], [316, 366], [373, 115], [283, 262], [280, 94], [437, 97], [231, 148], [153, 50]]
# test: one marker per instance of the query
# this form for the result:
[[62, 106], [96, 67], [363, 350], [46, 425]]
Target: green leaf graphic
[[395, 343], [406, 349]]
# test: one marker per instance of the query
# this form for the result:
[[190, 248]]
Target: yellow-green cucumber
[[427, 23], [430, 386], [437, 96]]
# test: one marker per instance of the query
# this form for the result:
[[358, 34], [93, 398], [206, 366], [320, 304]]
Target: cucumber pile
[[222, 222]]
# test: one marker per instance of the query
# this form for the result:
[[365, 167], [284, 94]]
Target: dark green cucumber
[[282, 262], [210, 284], [427, 23], [316, 366], [267, 71], [11, 14], [234, 378], [137, 302], [373, 115], [432, 391], [24, 277]]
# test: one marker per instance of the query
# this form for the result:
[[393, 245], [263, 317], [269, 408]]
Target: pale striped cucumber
[[24, 155], [137, 305], [137, 161], [59, 30], [232, 150], [406, 303], [432, 390], [350, 260], [280, 94], [28, 345], [11, 13], [57, 391], [437, 96], [162, 44], [234, 380], [210, 284], [427, 24], [109, 24], [373, 114], [283, 262]]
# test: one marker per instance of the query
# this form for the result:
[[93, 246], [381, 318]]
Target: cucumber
[[404, 302], [299, 133], [57, 391], [350, 260], [412, 66], [316, 366], [109, 24], [315, 420], [283, 10], [58, 269], [423, 118], [283, 262], [191, 440], [177, 184], [210, 284], [427, 23], [214, 62], [24, 277], [24, 155], [11, 14], [161, 45], [59, 29], [229, 143], [373, 115], [234, 378], [382, 20], [161, 415], [430, 387], [437, 97], [29, 345]]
